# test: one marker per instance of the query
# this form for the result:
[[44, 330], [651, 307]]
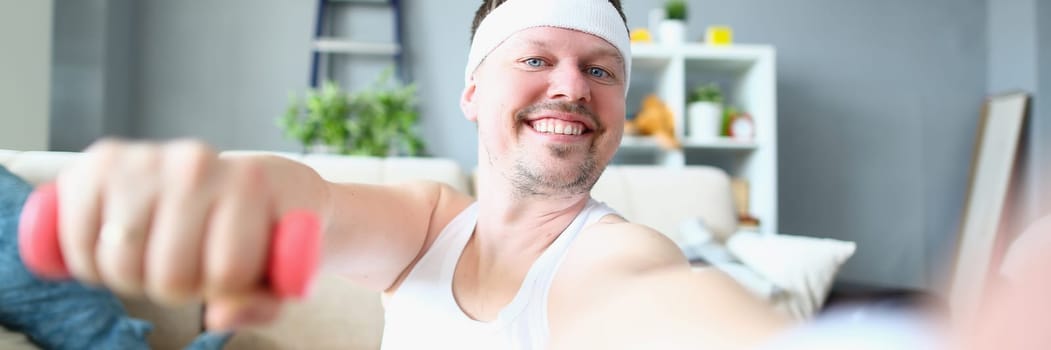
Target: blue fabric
[[62, 315]]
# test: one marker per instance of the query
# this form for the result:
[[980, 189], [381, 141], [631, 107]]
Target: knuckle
[[104, 145], [100, 156], [190, 146], [246, 174], [192, 161], [135, 163]]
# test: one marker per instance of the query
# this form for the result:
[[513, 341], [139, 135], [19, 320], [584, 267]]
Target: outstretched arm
[[376, 232], [177, 222], [625, 286]]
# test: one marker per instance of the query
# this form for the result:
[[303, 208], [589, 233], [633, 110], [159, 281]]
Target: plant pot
[[672, 31], [705, 120]]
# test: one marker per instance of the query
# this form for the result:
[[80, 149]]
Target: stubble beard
[[529, 179]]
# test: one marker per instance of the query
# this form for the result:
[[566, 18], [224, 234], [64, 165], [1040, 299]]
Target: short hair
[[490, 5]]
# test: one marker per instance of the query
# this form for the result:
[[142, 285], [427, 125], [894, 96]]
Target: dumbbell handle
[[292, 258]]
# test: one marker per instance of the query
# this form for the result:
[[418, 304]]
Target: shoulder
[[608, 254], [616, 246], [626, 285], [443, 203]]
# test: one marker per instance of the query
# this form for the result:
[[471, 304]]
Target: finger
[[130, 193], [238, 235], [80, 203], [241, 311], [173, 257]]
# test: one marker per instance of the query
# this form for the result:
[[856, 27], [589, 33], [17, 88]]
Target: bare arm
[[372, 233], [627, 286], [179, 223], [376, 232]]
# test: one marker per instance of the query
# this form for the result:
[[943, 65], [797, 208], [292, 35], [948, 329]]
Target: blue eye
[[598, 72], [534, 62]]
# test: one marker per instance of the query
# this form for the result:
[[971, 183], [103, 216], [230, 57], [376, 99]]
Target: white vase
[[704, 120], [672, 31]]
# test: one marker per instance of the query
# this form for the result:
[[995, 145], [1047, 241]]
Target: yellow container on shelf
[[641, 35], [719, 35]]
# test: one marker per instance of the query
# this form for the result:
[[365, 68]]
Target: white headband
[[595, 17]]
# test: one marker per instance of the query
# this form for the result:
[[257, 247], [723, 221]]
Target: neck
[[511, 219]]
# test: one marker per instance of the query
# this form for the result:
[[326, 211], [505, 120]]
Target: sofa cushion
[[804, 267], [373, 170], [38, 167], [336, 315], [6, 156], [701, 249], [662, 198], [10, 340]]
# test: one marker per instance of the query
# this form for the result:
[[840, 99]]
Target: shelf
[[722, 143], [731, 58], [336, 45], [747, 74]]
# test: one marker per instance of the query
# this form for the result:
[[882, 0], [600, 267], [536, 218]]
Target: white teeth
[[554, 127]]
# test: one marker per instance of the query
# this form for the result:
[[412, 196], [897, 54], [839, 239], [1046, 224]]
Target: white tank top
[[423, 314]]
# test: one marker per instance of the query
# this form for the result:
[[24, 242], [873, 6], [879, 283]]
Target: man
[[533, 262]]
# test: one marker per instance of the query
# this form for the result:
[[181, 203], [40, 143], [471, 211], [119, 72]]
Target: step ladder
[[326, 44]]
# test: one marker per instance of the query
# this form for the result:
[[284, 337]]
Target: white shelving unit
[[747, 75]]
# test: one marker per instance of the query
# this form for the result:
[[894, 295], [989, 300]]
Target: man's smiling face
[[549, 103]]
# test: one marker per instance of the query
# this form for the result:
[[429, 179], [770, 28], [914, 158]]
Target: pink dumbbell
[[291, 264]]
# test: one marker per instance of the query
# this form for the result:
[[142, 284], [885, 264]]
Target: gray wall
[[1041, 131], [439, 45], [1040, 128], [1019, 38], [877, 101], [220, 70], [25, 32], [1012, 45], [877, 106], [92, 72]]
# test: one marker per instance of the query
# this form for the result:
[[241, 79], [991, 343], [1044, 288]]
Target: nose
[[568, 83]]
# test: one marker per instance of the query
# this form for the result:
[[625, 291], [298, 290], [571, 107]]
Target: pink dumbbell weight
[[291, 263]]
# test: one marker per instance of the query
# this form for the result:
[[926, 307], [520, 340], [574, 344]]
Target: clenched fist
[[179, 223]]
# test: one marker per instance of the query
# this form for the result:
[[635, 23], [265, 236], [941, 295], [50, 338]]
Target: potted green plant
[[673, 27], [318, 121], [383, 119], [377, 121], [704, 112]]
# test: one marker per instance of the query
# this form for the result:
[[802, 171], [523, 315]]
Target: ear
[[470, 111]]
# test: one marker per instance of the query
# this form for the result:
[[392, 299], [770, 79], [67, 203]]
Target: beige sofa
[[340, 315]]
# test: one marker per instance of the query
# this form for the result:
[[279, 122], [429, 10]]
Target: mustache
[[558, 106]]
